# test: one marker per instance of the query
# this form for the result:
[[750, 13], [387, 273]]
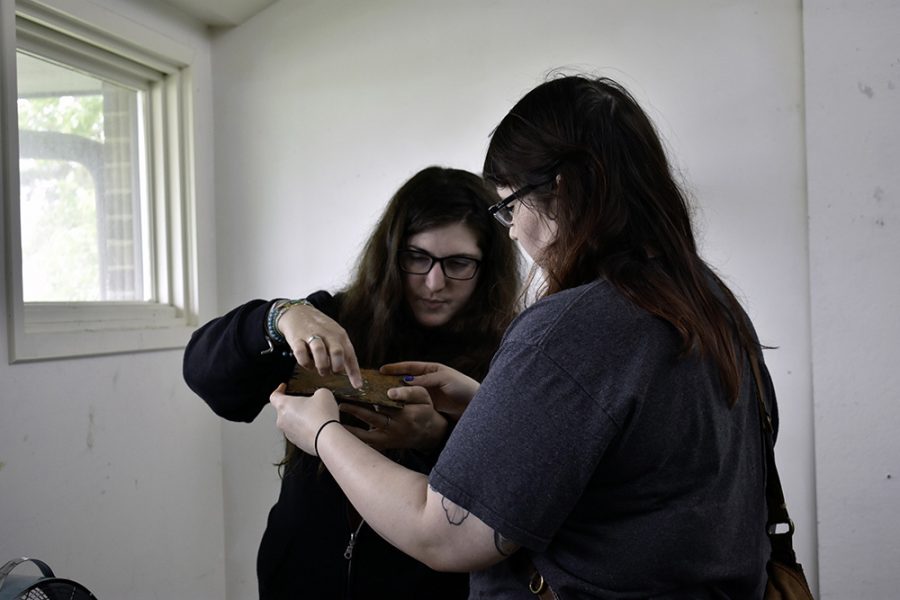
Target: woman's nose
[[434, 279]]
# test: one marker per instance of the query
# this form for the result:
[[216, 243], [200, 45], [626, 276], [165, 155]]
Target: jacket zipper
[[348, 555]]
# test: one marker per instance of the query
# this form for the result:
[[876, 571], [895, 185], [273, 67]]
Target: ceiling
[[221, 13]]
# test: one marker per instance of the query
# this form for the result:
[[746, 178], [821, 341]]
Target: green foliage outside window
[[58, 204]]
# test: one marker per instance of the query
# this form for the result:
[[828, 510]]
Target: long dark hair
[[603, 175], [373, 309]]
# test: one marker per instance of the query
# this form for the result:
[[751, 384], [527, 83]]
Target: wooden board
[[304, 382]]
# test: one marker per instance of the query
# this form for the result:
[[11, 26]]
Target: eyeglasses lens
[[505, 215], [454, 267]]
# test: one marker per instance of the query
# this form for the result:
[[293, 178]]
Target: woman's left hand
[[417, 425], [449, 389], [300, 417]]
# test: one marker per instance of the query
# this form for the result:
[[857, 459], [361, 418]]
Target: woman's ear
[[551, 212], [550, 215]]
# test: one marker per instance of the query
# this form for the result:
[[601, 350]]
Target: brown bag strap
[[779, 526]]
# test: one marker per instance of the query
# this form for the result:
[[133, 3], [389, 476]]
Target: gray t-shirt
[[617, 463]]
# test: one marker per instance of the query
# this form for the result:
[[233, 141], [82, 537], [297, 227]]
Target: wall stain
[[879, 221], [2, 464], [891, 85], [878, 194], [865, 89], [90, 432]]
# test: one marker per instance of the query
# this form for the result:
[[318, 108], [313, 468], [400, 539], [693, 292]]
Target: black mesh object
[[57, 589], [45, 586]]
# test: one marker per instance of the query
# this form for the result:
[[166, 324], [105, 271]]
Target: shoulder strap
[[523, 569], [779, 526]]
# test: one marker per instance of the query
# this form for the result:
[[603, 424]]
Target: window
[[98, 177], [82, 199]]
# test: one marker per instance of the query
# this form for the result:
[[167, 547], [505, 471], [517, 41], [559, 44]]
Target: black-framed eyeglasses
[[502, 210], [418, 262]]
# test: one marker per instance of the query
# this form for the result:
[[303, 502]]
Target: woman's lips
[[433, 304]]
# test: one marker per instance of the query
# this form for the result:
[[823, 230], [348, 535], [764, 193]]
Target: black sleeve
[[225, 365]]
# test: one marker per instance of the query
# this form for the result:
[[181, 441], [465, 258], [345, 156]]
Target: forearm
[[223, 363], [398, 504]]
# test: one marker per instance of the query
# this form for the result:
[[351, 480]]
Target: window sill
[[58, 330]]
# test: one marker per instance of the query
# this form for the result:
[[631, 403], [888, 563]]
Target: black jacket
[[304, 550]]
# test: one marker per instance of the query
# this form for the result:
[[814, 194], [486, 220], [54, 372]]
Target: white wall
[[110, 468], [323, 108], [853, 137], [112, 471]]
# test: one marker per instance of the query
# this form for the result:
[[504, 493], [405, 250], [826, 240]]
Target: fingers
[[434, 378], [409, 368], [302, 355], [319, 352], [351, 368], [414, 426], [343, 360], [332, 354], [277, 397], [319, 343], [300, 418], [410, 395], [425, 374], [379, 420]]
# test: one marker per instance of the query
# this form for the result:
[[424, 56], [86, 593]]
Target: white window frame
[[47, 330]]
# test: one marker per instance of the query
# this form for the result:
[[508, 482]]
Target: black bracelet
[[319, 432]]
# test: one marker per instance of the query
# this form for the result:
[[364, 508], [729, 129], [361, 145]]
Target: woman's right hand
[[450, 390], [319, 342], [301, 418]]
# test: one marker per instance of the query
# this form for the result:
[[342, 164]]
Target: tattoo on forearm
[[503, 545], [455, 514]]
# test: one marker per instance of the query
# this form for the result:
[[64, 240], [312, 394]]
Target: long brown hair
[[602, 173], [373, 310]]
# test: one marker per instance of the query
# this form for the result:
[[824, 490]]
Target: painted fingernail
[[408, 378]]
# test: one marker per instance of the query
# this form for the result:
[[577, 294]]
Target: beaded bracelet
[[273, 334]]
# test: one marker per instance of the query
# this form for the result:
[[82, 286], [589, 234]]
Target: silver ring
[[312, 338]]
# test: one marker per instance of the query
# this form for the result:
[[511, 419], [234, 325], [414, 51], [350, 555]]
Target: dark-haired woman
[[614, 447], [436, 281]]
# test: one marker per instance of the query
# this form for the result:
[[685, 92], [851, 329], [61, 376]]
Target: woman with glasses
[[436, 281], [614, 448]]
